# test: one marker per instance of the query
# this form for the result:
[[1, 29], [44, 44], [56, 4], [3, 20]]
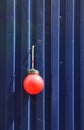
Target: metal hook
[[33, 56]]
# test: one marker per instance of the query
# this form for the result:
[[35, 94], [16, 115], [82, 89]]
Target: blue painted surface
[[55, 57], [81, 66], [69, 65], [56, 28]]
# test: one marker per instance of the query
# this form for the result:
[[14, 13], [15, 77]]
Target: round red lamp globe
[[33, 83]]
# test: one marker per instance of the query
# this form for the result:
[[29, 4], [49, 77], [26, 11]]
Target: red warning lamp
[[33, 83]]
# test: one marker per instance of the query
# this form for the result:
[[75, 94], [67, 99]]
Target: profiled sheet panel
[[40, 61], [69, 65], [47, 64], [7, 66], [10, 63], [32, 42], [62, 84], [37, 38], [55, 47], [82, 63], [3, 86], [77, 66], [17, 95], [25, 56], [56, 28], [21, 104]]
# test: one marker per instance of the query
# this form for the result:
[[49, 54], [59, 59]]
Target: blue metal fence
[[56, 28]]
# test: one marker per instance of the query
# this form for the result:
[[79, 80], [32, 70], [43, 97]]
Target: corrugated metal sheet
[[56, 28]]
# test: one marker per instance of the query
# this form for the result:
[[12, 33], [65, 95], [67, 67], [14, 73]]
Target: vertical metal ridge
[[14, 41], [47, 64], [29, 47], [25, 63], [62, 84], [81, 64], [77, 65], [40, 61], [55, 41], [32, 42], [9, 65], [18, 67], [44, 64], [73, 61], [69, 66]]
